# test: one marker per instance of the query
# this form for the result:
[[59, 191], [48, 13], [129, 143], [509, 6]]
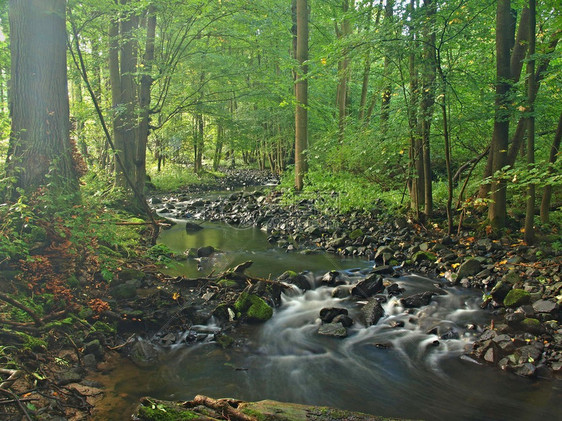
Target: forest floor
[[51, 378]]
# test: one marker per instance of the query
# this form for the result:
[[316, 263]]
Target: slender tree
[[39, 141], [301, 112]]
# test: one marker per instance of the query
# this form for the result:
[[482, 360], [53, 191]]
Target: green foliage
[[160, 253], [340, 192]]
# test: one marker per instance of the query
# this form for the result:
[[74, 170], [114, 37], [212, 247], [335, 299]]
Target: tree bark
[[144, 101], [531, 89], [39, 140], [301, 112], [387, 91], [497, 207], [427, 103], [547, 192]]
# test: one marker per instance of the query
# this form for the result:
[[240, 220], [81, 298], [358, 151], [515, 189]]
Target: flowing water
[[399, 371]]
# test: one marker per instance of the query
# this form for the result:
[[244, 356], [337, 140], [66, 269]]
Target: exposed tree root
[[226, 407]]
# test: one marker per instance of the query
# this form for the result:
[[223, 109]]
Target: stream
[[393, 369]]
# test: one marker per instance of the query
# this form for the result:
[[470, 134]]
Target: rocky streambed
[[520, 285]]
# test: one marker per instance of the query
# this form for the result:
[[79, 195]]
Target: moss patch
[[253, 307], [516, 297]]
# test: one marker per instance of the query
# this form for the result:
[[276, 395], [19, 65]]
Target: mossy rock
[[531, 325], [422, 256], [227, 283], [253, 308], [355, 234], [516, 297]]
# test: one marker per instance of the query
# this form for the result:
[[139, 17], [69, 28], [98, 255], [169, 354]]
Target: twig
[[18, 401], [13, 376], [76, 350], [128, 341]]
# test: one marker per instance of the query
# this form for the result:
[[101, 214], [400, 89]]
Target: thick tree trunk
[[497, 207], [515, 66], [144, 101], [39, 140], [129, 98], [301, 112]]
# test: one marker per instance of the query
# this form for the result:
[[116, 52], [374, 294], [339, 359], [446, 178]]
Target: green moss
[[227, 283], [103, 327], [225, 341], [531, 325], [355, 234], [516, 297], [161, 412], [421, 256], [253, 308]]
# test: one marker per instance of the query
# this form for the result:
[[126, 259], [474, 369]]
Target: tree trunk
[[427, 102], [301, 112], [387, 91], [343, 71], [497, 207], [515, 66], [144, 101], [547, 192], [129, 99], [367, 63], [39, 140], [531, 88]]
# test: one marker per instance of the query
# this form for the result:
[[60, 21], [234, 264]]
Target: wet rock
[[469, 268], [341, 291], [500, 291], [331, 278], [417, 300], [333, 329], [329, 313], [192, 227], [205, 251], [344, 319], [144, 353], [372, 312], [296, 279], [368, 287], [94, 347], [525, 370], [383, 270], [394, 289], [491, 355], [89, 361], [396, 323], [514, 318], [516, 297]]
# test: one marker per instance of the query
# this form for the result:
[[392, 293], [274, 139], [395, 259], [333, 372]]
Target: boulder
[[545, 306], [329, 313], [296, 279], [417, 300], [500, 290], [368, 287], [372, 312], [469, 268], [192, 227], [344, 319], [205, 251], [333, 329], [516, 298]]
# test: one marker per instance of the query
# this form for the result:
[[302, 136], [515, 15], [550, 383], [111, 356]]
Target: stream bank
[[520, 285]]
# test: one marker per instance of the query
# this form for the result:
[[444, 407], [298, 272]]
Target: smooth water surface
[[399, 371]]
